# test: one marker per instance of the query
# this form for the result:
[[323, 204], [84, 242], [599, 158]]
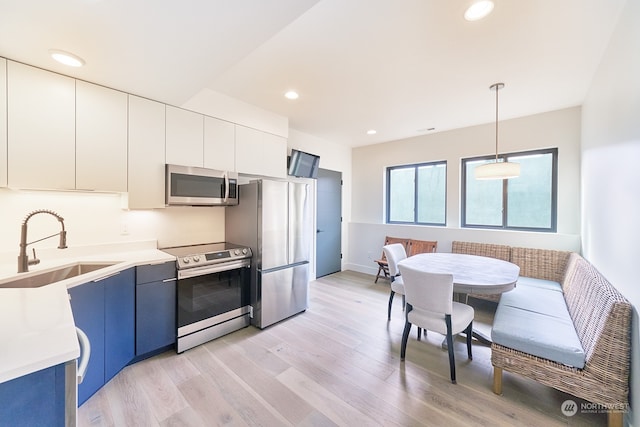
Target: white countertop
[[36, 330], [36, 324]]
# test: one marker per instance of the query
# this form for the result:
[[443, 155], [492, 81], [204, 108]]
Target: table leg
[[479, 336]]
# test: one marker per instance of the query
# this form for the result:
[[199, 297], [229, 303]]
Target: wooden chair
[[383, 265], [421, 246]]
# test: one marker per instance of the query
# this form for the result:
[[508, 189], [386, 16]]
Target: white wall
[[97, 218], [553, 129], [611, 172], [334, 157]]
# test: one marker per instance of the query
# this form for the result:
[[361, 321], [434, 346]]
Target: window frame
[[415, 167], [505, 192]]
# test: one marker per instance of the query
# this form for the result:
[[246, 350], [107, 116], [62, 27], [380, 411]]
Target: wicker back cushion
[[598, 310], [544, 264], [502, 252]]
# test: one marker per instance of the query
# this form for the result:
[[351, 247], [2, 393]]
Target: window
[[528, 202], [416, 194]]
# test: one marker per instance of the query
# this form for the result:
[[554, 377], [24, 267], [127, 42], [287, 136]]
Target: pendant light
[[497, 170]]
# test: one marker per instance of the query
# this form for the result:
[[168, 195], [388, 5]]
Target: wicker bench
[[600, 315]]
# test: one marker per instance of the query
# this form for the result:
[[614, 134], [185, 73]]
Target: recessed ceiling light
[[478, 10], [292, 94], [372, 132], [66, 58]]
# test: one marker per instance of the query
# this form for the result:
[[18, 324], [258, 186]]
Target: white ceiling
[[397, 66]]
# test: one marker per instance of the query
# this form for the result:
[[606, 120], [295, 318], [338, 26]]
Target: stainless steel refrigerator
[[274, 219]]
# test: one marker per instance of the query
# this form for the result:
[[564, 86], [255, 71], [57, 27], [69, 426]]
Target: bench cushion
[[539, 283], [537, 300], [550, 336]]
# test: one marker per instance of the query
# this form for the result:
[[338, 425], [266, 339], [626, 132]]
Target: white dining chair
[[430, 305], [394, 254]]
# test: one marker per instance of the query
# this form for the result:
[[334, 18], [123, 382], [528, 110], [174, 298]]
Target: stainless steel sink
[[52, 276]]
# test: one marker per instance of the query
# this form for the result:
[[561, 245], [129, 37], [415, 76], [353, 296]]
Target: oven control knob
[[186, 260], [237, 251], [196, 258], [244, 251]]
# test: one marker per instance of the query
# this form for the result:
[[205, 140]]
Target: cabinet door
[[87, 304], [260, 153], [185, 137], [155, 315], [3, 122], [101, 138], [275, 155], [41, 128], [119, 322], [219, 144], [146, 153], [36, 399]]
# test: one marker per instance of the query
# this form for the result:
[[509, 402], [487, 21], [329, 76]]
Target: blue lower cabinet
[[155, 308], [119, 327], [36, 399], [105, 311], [156, 316]]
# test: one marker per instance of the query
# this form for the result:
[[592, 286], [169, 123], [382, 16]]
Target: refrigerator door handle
[[299, 221], [282, 267], [290, 225]]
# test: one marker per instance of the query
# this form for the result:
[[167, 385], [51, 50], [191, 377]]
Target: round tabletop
[[472, 274]]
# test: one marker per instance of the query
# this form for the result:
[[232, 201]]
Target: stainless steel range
[[213, 291]]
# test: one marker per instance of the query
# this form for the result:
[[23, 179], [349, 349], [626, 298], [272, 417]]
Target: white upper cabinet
[[185, 137], [41, 131], [101, 138], [275, 155], [59, 133], [146, 153], [219, 144], [260, 153], [3, 122]]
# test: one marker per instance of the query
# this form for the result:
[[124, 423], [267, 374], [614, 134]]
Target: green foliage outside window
[[416, 194], [528, 202]]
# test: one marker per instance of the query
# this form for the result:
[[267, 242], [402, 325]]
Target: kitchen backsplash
[[98, 218]]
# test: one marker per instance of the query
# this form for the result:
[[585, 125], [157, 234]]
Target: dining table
[[472, 274]]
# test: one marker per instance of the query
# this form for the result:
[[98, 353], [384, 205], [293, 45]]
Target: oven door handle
[[215, 268]]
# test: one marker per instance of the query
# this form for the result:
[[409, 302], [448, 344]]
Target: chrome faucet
[[23, 259]]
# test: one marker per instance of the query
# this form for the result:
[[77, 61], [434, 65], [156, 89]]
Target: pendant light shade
[[497, 170]]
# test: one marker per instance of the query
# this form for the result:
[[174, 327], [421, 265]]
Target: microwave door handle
[[226, 187]]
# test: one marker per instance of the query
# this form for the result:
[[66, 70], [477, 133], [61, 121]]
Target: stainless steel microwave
[[193, 186]]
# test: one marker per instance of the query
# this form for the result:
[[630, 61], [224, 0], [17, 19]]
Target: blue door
[[329, 222]]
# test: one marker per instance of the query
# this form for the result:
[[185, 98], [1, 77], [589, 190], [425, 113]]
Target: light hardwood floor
[[335, 364]]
